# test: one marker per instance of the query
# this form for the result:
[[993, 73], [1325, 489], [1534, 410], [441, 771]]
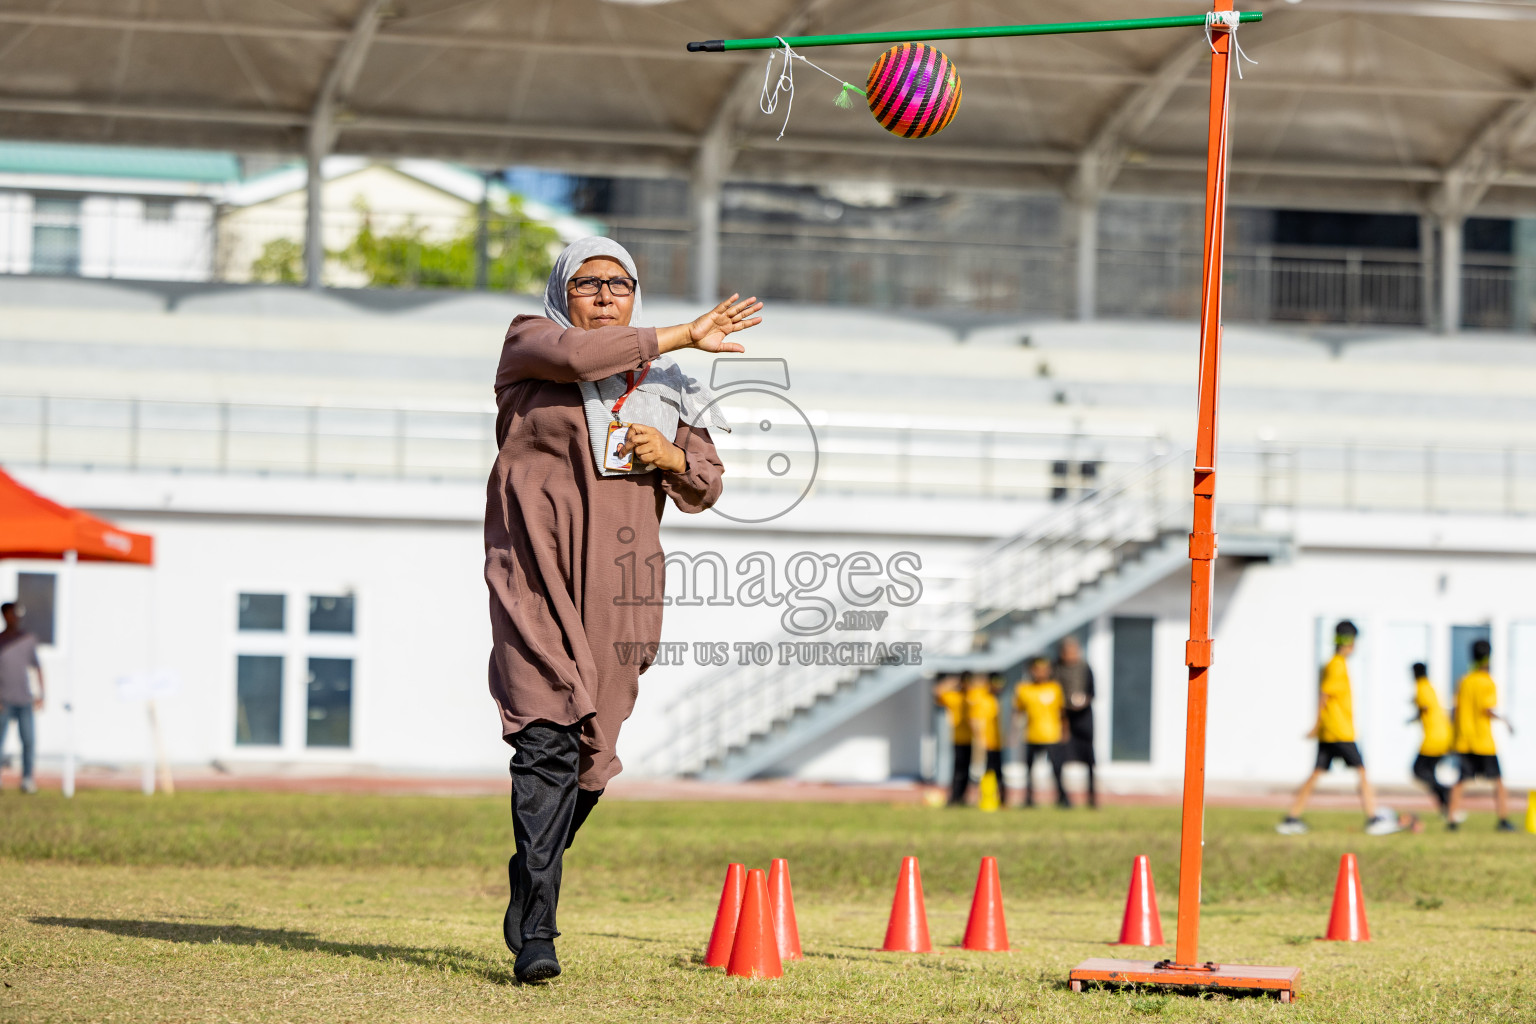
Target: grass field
[[276, 907]]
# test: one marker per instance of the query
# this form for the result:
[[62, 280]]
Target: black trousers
[[960, 777], [1052, 752], [547, 810], [1080, 750], [995, 766], [1424, 771]]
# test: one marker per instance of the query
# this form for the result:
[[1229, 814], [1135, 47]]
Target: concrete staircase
[[1019, 597]]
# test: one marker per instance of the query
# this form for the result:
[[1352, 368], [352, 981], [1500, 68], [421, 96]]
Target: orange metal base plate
[[1279, 980]]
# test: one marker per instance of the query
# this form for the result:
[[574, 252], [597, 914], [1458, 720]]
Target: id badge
[[617, 432]]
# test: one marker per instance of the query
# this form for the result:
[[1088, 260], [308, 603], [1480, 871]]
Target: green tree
[[518, 253], [281, 262]]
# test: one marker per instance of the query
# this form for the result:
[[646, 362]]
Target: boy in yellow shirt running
[[1041, 703], [948, 695], [1335, 732], [986, 726], [1476, 702], [1437, 736]]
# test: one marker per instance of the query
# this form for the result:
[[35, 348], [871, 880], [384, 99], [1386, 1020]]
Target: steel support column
[[314, 220], [1427, 278], [1086, 212], [704, 190], [321, 136], [1450, 272]]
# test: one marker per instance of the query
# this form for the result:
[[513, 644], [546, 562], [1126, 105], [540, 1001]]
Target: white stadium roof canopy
[[1410, 105]]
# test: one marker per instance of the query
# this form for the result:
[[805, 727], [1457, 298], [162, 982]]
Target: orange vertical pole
[[1202, 538]]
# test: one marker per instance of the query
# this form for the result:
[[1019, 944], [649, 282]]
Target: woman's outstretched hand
[[709, 332]]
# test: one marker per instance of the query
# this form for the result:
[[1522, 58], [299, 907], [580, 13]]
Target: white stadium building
[[312, 470]]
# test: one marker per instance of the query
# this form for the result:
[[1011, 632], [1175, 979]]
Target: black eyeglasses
[[617, 286]]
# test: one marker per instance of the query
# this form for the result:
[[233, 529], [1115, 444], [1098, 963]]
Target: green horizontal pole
[[982, 32]]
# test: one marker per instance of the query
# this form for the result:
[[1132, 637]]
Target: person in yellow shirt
[[1040, 703], [1477, 701], [986, 725], [1335, 733], [1430, 714], [947, 694]]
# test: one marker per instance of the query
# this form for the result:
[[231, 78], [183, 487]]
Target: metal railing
[[230, 437], [1278, 284], [1065, 550], [1265, 284], [857, 453], [195, 239], [853, 454]]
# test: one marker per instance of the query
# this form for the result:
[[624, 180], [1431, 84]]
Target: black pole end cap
[[707, 46]]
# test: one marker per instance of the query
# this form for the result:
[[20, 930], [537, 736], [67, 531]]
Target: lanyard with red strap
[[629, 378]]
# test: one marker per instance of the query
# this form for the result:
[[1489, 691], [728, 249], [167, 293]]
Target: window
[[159, 209], [1130, 719], [56, 236], [261, 613], [331, 614], [320, 639], [330, 703], [35, 592], [259, 700]]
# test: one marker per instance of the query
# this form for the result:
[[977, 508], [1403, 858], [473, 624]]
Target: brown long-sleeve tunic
[[568, 552]]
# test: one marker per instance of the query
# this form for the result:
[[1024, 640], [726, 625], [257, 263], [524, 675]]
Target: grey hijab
[[667, 394]]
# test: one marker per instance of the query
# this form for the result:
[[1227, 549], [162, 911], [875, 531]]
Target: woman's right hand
[[708, 332]]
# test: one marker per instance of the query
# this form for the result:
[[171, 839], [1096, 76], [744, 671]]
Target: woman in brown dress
[[567, 535]]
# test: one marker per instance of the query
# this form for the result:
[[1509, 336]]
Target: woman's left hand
[[650, 447]]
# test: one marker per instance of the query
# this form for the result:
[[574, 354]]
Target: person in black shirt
[[1076, 680]]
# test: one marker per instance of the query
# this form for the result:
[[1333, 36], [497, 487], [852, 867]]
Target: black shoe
[[512, 921], [1064, 803], [537, 962], [1504, 825]]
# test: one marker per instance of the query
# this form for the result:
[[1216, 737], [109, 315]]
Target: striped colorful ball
[[913, 90]]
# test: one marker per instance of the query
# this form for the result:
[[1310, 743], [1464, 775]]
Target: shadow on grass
[[281, 938]]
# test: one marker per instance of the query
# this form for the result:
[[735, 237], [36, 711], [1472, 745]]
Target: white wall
[[118, 240], [1263, 695], [411, 553], [15, 232], [419, 687]]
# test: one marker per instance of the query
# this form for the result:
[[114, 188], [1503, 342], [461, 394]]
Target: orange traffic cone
[[755, 953], [1141, 926], [723, 935], [987, 930], [908, 929], [781, 899], [1347, 922]]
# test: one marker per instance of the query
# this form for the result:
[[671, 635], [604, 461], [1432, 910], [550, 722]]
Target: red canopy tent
[[31, 526]]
